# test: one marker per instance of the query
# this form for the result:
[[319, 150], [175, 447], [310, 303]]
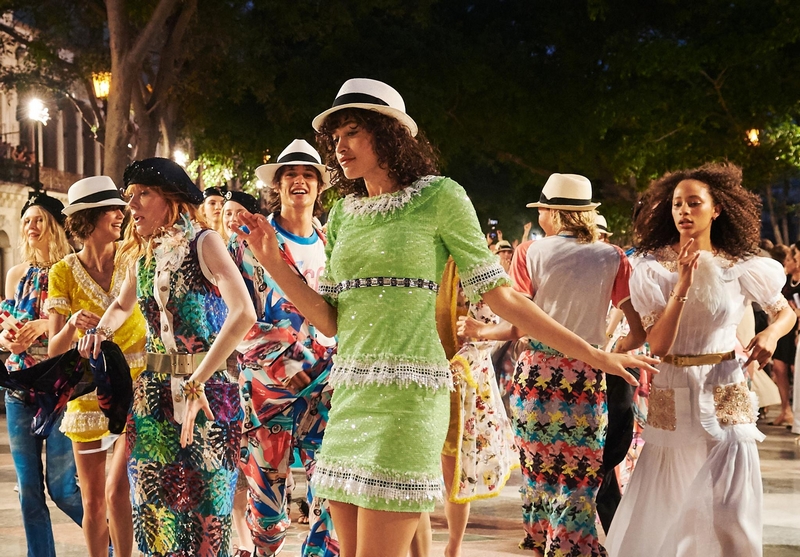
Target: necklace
[[794, 283], [43, 264]]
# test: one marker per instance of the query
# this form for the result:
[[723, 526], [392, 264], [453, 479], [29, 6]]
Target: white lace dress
[[696, 490]]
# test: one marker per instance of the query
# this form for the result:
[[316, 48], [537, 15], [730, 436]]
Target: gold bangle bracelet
[[193, 389], [679, 299]]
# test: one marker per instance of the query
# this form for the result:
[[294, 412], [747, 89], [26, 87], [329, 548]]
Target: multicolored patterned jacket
[[279, 345]]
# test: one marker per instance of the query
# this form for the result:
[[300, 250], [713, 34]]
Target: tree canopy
[[508, 90]]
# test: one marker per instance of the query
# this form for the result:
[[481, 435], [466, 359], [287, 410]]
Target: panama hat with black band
[[297, 152], [157, 172], [369, 94], [92, 192], [566, 192], [602, 225], [503, 245]]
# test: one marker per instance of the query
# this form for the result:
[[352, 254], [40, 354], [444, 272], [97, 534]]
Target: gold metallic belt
[[698, 359], [177, 364]]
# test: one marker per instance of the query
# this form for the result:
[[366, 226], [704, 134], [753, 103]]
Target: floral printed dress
[[29, 303], [182, 497], [486, 452]]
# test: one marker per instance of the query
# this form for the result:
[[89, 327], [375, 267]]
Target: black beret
[[245, 200], [163, 173], [49, 204]]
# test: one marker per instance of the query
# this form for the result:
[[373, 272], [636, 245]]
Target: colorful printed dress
[[280, 344], [29, 303], [182, 497], [696, 490], [558, 405], [485, 450], [391, 378], [59, 475], [73, 289]]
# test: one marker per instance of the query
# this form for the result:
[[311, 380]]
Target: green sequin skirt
[[382, 447]]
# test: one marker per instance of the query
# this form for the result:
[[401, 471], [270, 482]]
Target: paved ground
[[494, 528]]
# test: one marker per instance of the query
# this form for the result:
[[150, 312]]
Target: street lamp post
[[101, 83], [41, 115]]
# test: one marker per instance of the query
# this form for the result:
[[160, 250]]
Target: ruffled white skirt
[[696, 490]]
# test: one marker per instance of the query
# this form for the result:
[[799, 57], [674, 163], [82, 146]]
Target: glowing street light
[[38, 112], [180, 157], [752, 136], [101, 83]]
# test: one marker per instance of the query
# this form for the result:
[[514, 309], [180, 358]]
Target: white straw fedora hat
[[567, 192], [298, 151], [369, 94], [96, 191], [602, 225]]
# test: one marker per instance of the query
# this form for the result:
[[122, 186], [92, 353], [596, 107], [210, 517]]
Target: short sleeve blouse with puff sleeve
[[705, 324], [762, 280]]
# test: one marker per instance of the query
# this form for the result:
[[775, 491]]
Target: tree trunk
[[148, 127], [116, 154], [127, 56]]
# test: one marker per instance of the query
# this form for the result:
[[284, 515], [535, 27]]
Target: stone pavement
[[494, 528]]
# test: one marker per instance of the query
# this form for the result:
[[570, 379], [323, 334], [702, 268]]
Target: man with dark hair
[[284, 362]]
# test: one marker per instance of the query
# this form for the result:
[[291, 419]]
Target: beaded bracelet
[[193, 389], [106, 331], [679, 299]]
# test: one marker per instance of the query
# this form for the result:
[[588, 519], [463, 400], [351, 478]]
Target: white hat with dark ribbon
[[95, 191], [602, 225], [566, 192], [369, 94], [297, 152]]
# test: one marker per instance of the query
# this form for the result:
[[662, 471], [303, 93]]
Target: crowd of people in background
[[393, 352], [19, 153]]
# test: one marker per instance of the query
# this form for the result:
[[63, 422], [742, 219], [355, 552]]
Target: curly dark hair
[[408, 158], [737, 229], [82, 223], [274, 192]]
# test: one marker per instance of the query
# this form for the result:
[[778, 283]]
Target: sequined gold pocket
[[733, 405], [661, 412]]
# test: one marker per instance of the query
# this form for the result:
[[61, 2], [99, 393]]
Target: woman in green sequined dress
[[388, 241]]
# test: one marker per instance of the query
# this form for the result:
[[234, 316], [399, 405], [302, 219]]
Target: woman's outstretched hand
[[615, 364], [260, 238]]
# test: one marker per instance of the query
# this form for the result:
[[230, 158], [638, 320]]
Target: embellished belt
[[177, 364], [698, 359], [385, 281]]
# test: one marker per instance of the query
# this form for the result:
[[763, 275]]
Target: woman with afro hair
[[696, 490]]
